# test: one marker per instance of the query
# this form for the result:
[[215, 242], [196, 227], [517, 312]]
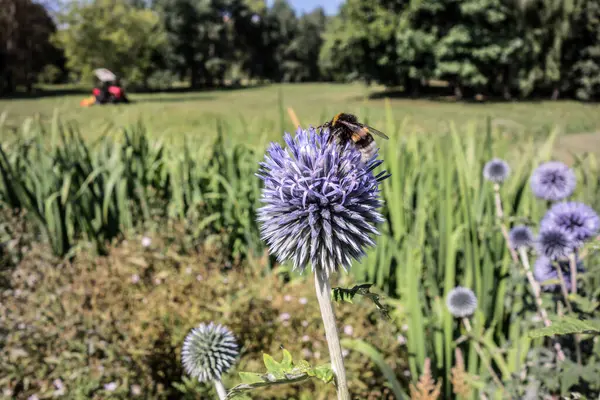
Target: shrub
[[113, 326]]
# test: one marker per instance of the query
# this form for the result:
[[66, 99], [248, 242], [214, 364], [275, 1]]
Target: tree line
[[508, 48]]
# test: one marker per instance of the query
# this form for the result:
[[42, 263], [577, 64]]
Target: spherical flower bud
[[461, 302], [553, 181], [320, 201], [208, 352], [521, 236], [496, 170]]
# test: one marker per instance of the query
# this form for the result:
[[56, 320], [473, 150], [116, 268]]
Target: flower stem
[[323, 288], [221, 392], [503, 228], [560, 355], [563, 286], [573, 268], [479, 351]]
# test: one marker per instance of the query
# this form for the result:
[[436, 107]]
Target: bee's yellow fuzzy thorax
[[335, 119]]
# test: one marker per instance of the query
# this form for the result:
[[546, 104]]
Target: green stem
[[323, 289]]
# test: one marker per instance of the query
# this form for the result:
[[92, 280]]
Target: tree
[[111, 34], [25, 48]]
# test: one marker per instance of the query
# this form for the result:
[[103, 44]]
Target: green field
[[254, 113]]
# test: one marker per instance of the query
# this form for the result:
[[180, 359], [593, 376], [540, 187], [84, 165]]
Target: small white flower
[[345, 353], [303, 300], [284, 316], [406, 372], [306, 353], [348, 330], [58, 384], [199, 277], [287, 297], [136, 390], [404, 327], [188, 270], [135, 278], [111, 387], [317, 355], [146, 241], [33, 397], [7, 392], [157, 281], [305, 323], [306, 338], [225, 280], [401, 339]]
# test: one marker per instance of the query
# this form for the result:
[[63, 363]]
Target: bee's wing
[[370, 129], [362, 129]]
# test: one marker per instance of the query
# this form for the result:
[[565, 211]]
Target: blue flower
[[545, 270], [553, 181], [461, 302], [209, 351], [496, 170], [520, 236], [555, 242], [321, 201], [576, 218]]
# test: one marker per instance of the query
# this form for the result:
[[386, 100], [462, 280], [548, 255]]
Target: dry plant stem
[[499, 217], [563, 287], [221, 392], [497, 380], [333, 341], [538, 299], [573, 268]]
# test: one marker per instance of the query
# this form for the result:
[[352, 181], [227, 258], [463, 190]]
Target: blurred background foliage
[[498, 48]]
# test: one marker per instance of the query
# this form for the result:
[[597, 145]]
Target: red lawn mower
[[109, 90]]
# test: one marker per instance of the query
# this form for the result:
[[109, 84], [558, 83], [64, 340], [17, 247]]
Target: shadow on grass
[[446, 95], [39, 93]]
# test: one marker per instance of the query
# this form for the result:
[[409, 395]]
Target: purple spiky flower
[[521, 236], [553, 181], [321, 201], [555, 242], [496, 170], [576, 218], [544, 270]]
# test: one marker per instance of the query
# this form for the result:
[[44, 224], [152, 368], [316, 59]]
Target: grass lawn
[[253, 115]]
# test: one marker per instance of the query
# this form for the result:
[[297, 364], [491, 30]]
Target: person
[[101, 93]]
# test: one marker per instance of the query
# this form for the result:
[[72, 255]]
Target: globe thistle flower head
[[320, 201], [520, 236], [576, 218], [544, 270], [461, 302], [209, 351], [553, 181], [496, 170], [555, 242]]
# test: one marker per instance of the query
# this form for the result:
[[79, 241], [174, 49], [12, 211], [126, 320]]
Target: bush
[[96, 322]]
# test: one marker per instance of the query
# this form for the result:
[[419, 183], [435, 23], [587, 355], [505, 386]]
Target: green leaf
[[250, 377], [272, 366], [286, 362], [585, 305], [565, 326], [322, 372], [347, 295]]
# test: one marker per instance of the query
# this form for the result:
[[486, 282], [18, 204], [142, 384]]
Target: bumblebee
[[345, 128]]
